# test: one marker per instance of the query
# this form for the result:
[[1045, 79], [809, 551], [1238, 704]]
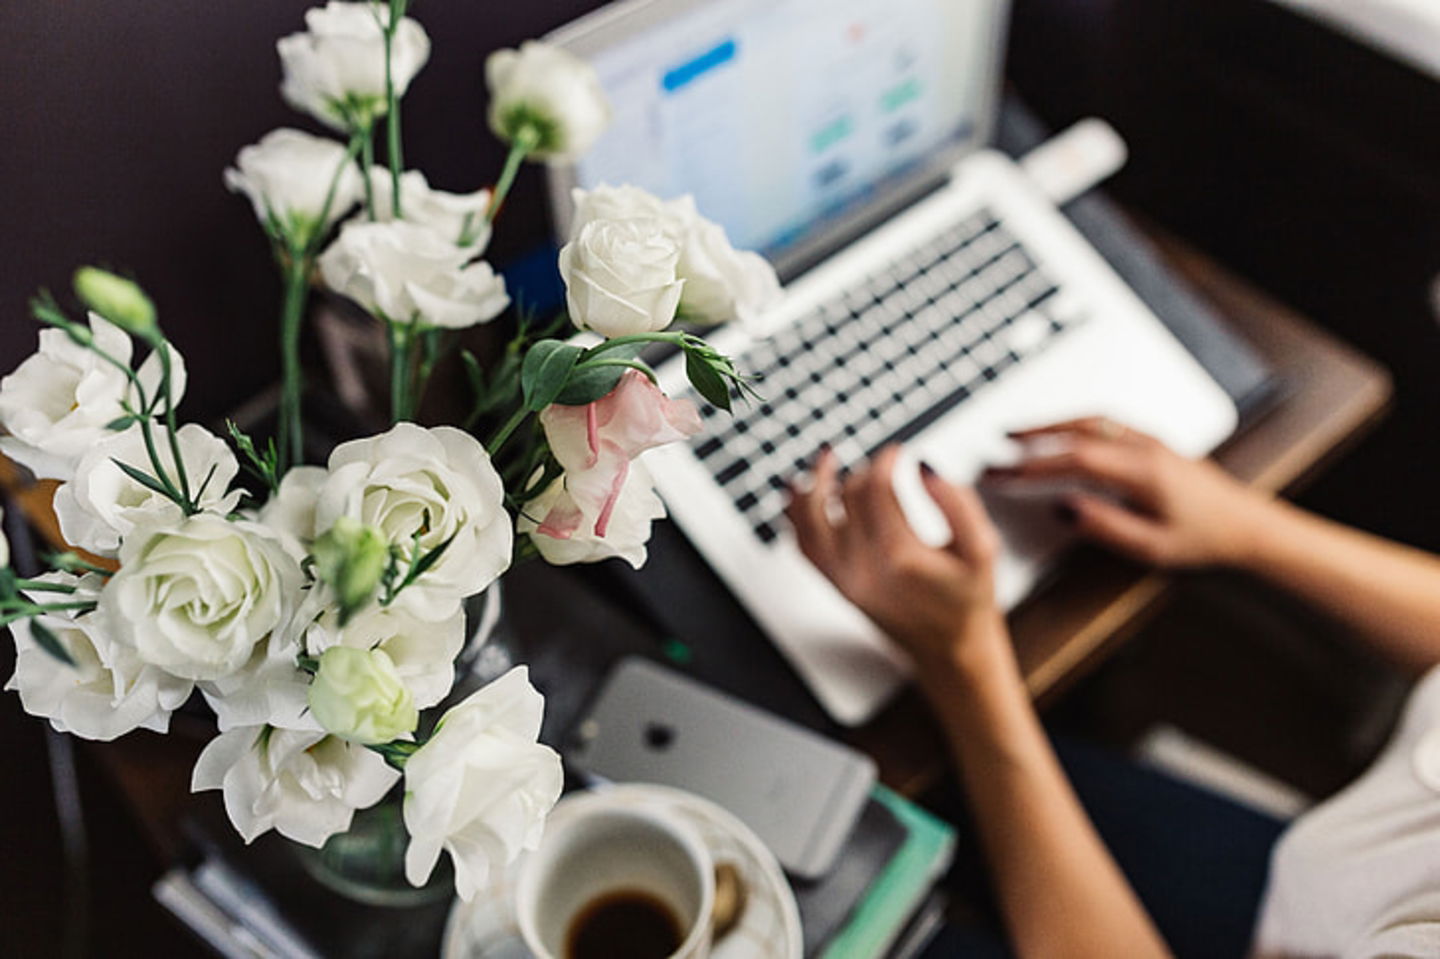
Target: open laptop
[[932, 294]]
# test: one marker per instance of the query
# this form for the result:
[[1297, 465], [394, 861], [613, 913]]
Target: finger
[[976, 540], [809, 513], [879, 515], [1117, 465], [1099, 427], [1112, 525]]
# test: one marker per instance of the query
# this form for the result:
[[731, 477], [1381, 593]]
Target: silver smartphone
[[800, 792]]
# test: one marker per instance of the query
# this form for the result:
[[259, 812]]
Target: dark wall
[[1301, 158], [120, 117]]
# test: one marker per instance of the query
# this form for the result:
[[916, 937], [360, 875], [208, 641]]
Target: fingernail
[[927, 470], [1066, 514]]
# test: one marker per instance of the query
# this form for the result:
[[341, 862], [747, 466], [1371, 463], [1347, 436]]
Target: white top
[[1408, 30], [1359, 876]]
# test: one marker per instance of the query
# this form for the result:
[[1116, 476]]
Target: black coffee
[[625, 924]]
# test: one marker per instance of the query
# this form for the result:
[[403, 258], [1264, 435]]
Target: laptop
[[933, 295]]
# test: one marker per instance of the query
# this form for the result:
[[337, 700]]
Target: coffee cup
[[614, 879]]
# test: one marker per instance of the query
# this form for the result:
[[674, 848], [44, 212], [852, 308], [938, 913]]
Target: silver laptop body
[[948, 316]]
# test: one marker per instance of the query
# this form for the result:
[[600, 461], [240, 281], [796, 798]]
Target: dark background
[[1302, 160]]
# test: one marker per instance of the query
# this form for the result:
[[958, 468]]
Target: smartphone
[[800, 792]]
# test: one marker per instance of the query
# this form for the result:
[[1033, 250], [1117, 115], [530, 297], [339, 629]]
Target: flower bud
[[351, 558], [358, 695], [119, 300]]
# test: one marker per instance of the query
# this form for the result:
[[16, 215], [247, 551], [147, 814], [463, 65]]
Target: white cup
[[597, 847]]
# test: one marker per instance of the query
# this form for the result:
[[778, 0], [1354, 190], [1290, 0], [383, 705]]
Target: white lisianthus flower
[[197, 597], [403, 272], [721, 282], [437, 483], [358, 695], [102, 505], [290, 510], [109, 690], [422, 651], [304, 785], [458, 217], [549, 92], [620, 276], [287, 177], [60, 401], [564, 531], [481, 787], [335, 70]]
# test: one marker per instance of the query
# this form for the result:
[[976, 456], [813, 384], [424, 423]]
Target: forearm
[[1387, 593], [1061, 892]]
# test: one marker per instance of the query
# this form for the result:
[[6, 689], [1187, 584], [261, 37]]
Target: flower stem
[[402, 343], [297, 287], [511, 425], [367, 162], [171, 429], [525, 141], [392, 109]]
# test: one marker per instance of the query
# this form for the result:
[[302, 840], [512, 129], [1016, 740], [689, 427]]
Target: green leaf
[[122, 422], [706, 380], [429, 559], [546, 368], [49, 642], [589, 383], [474, 373], [143, 478]]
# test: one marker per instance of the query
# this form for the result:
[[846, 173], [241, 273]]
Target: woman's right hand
[[1165, 510]]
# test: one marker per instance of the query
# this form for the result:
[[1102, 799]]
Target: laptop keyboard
[[879, 362]]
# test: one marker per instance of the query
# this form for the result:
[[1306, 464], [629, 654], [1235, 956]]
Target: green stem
[[367, 162], [171, 427], [627, 364], [677, 339], [359, 137], [146, 408], [392, 109], [42, 586], [402, 342], [510, 426], [297, 288], [525, 141], [32, 610]]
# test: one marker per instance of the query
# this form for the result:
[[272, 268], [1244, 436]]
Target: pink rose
[[595, 444]]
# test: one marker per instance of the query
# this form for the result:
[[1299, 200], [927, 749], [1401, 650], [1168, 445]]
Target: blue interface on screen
[[780, 115]]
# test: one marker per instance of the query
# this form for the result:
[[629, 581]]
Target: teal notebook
[[904, 884]]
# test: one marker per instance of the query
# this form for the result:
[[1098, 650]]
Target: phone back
[[800, 792]]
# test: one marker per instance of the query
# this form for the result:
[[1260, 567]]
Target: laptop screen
[[787, 118]]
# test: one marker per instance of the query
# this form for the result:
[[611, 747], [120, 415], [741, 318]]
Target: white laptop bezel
[[618, 21]]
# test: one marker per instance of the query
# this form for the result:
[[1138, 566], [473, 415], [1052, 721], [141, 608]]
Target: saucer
[[769, 928]]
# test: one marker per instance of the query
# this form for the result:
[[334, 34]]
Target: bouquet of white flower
[[318, 612]]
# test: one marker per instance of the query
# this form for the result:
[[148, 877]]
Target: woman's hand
[[931, 601], [1168, 510]]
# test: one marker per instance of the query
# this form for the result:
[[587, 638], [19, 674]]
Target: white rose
[[564, 532], [721, 283], [620, 276], [404, 272], [102, 505], [482, 786], [195, 598], [290, 510], [358, 695], [61, 400], [438, 483], [304, 785], [550, 92], [335, 70], [288, 176], [423, 652], [269, 688], [457, 217], [108, 691]]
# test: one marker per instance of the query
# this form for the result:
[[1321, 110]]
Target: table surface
[[1330, 394]]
